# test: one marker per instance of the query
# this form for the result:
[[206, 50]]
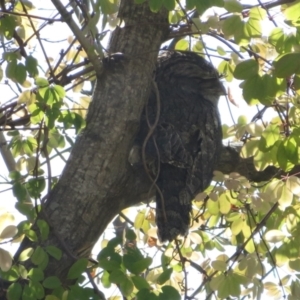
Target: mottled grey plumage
[[188, 136]]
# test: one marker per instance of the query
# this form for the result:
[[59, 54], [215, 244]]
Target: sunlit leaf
[[231, 24], [233, 6], [224, 204], [212, 207], [5, 260], [237, 226], [219, 265], [274, 236], [269, 136], [286, 197], [246, 69], [182, 45], [9, 232], [257, 13]]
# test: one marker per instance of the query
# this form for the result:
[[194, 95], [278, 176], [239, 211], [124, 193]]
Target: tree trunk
[[98, 181]]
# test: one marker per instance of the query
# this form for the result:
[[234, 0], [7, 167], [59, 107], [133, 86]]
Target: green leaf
[[249, 149], [10, 275], [36, 274], [222, 52], [253, 89], [39, 256], [237, 226], [105, 279], [233, 6], [28, 293], [54, 252], [117, 276], [169, 4], [20, 73], [281, 255], [155, 5], [77, 268], [273, 87], [293, 11], [44, 229], [14, 291], [169, 293], [257, 13], [35, 186], [25, 254], [146, 294], [136, 266], [126, 286], [19, 191], [253, 28], [139, 219], [287, 65], [31, 64], [22, 271], [108, 264], [293, 184], [262, 160], [282, 156], [41, 82], [164, 276], [227, 69], [182, 45], [60, 91], [51, 282], [291, 148], [212, 207], [37, 289], [224, 204], [219, 265], [276, 36], [7, 26], [286, 197], [140, 283], [250, 246], [246, 69], [10, 70], [231, 25], [295, 264], [108, 7], [234, 284], [201, 6], [269, 136]]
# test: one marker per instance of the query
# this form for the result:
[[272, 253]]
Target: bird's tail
[[173, 215]]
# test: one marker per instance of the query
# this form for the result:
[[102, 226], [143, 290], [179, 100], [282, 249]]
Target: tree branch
[[86, 45]]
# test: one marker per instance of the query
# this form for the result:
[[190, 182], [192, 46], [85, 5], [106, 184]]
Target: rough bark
[[98, 181]]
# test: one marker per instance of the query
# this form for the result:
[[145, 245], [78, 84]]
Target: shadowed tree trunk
[[98, 181]]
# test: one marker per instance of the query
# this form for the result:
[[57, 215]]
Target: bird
[[185, 145]]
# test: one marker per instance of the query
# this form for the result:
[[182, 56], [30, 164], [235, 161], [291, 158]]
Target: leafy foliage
[[244, 233]]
